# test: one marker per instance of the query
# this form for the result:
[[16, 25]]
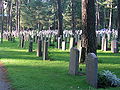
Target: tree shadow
[[109, 58], [19, 55]]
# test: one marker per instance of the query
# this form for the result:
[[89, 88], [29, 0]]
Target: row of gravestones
[[104, 42], [42, 45]]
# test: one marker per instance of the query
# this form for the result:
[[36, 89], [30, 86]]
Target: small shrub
[[108, 79]]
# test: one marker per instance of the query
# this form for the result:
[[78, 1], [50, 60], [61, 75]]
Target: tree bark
[[118, 6], [2, 26], [60, 18], [73, 17], [88, 23]]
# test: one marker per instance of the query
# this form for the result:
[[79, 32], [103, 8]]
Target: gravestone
[[72, 42], [22, 41], [79, 47], [45, 51], [39, 48], [30, 45], [63, 45], [105, 44], [92, 69], [114, 46], [98, 40], [74, 61]]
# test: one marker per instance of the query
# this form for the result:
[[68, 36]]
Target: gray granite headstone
[[45, 51], [59, 42], [63, 45], [72, 42], [39, 48], [92, 69], [114, 46], [105, 45], [74, 61], [103, 41]]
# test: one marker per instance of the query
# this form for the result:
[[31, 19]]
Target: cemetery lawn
[[26, 71]]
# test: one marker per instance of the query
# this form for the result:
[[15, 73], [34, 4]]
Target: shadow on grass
[[109, 58], [19, 55], [59, 56]]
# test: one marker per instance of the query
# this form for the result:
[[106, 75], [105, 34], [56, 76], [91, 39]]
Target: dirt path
[[4, 83]]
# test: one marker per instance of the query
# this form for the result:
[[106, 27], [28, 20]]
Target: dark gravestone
[[92, 69], [74, 61], [22, 41], [39, 48], [30, 45], [114, 46], [45, 51], [98, 40]]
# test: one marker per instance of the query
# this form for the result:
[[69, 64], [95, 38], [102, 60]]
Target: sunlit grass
[[26, 71]]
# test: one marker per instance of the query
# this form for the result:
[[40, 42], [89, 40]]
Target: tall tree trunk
[[88, 23], [60, 18], [10, 22], [17, 16], [73, 17], [118, 5], [110, 20], [2, 22]]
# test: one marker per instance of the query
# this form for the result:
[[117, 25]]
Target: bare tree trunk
[[60, 18], [110, 20], [88, 23], [17, 16], [73, 17], [10, 22], [2, 26], [118, 5]]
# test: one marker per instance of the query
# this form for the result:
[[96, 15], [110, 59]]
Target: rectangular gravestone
[[45, 50], [59, 42], [103, 41], [105, 44], [72, 42], [39, 48], [63, 45], [114, 46], [74, 61], [92, 69]]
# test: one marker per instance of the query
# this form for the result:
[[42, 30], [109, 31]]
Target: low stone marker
[[114, 46], [63, 45], [92, 69], [45, 51], [74, 61], [39, 48], [59, 42]]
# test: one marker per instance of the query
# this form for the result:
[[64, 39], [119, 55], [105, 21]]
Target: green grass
[[26, 71]]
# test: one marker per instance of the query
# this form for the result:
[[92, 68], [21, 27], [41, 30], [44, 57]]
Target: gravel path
[[4, 83]]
